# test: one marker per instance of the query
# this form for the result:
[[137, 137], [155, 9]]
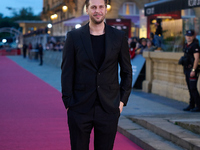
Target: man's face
[[149, 44], [189, 39], [97, 11], [144, 43]]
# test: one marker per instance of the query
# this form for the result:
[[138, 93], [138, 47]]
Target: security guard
[[190, 62]]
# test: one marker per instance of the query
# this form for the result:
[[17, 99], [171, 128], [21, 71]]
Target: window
[[129, 8], [188, 13]]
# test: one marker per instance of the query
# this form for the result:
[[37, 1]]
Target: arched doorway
[[16, 35]]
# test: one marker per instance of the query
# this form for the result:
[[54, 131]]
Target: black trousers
[[81, 125], [24, 53], [41, 59], [192, 87]]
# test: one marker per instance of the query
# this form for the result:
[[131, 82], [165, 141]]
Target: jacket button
[[98, 86], [99, 73]]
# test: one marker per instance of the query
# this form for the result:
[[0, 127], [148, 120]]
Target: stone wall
[[164, 76]]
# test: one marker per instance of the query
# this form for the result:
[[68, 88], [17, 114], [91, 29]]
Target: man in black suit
[[90, 87]]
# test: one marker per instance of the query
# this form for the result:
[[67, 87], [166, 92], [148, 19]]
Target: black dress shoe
[[188, 108], [196, 109]]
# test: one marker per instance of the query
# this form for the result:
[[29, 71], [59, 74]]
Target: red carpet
[[32, 115]]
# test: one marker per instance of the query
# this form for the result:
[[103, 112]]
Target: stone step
[[189, 124], [144, 138], [170, 131]]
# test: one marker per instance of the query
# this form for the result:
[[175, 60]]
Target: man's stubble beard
[[97, 22]]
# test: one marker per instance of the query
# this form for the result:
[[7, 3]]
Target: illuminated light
[[118, 20], [77, 26], [64, 8], [127, 10], [52, 17], [154, 21], [164, 17], [108, 7], [55, 16], [49, 32], [49, 25], [4, 40]]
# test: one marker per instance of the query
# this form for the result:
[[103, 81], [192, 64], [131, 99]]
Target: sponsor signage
[[165, 6], [137, 63], [193, 3]]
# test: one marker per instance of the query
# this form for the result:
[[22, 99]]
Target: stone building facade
[[53, 11]]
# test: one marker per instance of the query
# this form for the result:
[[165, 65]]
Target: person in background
[[47, 46], [40, 50], [24, 50], [149, 47], [152, 39], [29, 50], [190, 65], [129, 42], [132, 45], [142, 46], [30, 46], [135, 43], [158, 37]]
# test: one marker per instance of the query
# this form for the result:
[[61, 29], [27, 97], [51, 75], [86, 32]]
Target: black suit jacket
[[82, 82]]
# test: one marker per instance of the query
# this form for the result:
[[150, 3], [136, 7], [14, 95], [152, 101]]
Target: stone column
[[147, 84], [164, 76]]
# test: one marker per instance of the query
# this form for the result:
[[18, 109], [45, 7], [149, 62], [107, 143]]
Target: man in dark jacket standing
[[90, 87]]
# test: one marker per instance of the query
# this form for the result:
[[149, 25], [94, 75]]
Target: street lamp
[[64, 8], [108, 6], [4, 40], [49, 25], [54, 16]]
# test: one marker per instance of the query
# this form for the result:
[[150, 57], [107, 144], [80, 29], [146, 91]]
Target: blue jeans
[[158, 40]]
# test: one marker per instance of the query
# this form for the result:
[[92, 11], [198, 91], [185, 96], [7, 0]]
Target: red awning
[[134, 19]]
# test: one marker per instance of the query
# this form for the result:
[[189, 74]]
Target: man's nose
[[98, 9]]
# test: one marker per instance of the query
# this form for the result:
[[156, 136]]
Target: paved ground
[[32, 113], [140, 103]]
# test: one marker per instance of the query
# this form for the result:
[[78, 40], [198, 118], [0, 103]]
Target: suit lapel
[[108, 45], [87, 43]]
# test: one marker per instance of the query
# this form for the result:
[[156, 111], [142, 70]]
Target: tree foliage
[[7, 22], [25, 14], [22, 14]]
